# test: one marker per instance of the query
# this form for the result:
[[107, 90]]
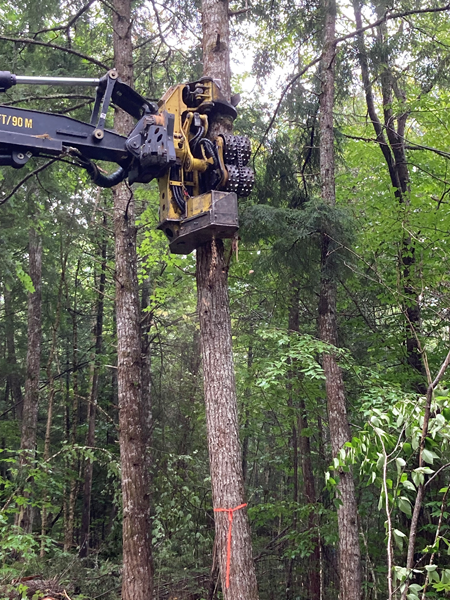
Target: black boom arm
[[26, 133]]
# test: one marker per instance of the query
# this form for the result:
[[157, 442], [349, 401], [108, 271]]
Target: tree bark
[[69, 511], [13, 380], [137, 578], [310, 497], [349, 551], [146, 319], [93, 396], [216, 43], [301, 442], [222, 423], [51, 392], [218, 370], [392, 146], [31, 399]]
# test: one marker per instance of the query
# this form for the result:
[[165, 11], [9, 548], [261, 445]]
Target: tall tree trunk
[[222, 423], [392, 146], [349, 551], [51, 393], [93, 396], [146, 319], [310, 497], [137, 579], [301, 441], [293, 325], [13, 380], [31, 399], [69, 511], [218, 369], [248, 394]]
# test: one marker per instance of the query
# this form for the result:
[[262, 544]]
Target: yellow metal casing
[[185, 208], [219, 219]]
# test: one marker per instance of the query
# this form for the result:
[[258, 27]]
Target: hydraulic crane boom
[[199, 177]]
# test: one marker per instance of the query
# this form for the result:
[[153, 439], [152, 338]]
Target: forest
[[266, 417]]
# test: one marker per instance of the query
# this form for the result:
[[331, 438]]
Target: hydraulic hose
[[176, 190], [211, 150], [178, 197], [207, 144], [194, 141], [105, 181]]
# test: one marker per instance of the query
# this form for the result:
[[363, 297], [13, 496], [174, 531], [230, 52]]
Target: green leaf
[[418, 478], [380, 461], [429, 456], [404, 505], [24, 279], [381, 502], [408, 485], [399, 536], [407, 448], [401, 463]]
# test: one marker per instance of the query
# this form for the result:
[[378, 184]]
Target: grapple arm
[[199, 176]]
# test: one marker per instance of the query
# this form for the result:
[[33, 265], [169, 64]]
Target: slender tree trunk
[[349, 551], [216, 43], [13, 380], [87, 465], [247, 419], [293, 325], [31, 399], [137, 578], [72, 428], [222, 423], [421, 487], [51, 393], [310, 496], [214, 575], [392, 146], [93, 396], [146, 364], [218, 369], [301, 442]]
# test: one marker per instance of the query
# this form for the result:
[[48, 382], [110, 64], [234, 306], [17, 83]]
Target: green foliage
[[24, 279], [279, 374], [14, 542]]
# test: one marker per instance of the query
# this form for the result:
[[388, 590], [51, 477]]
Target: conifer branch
[[19, 40], [380, 21], [69, 24], [389, 17], [283, 93], [26, 178]]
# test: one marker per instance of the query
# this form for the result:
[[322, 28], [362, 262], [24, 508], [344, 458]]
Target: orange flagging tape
[[230, 512]]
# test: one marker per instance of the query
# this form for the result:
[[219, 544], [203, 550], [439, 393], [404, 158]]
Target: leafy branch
[[421, 487], [386, 17], [26, 178], [20, 40]]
